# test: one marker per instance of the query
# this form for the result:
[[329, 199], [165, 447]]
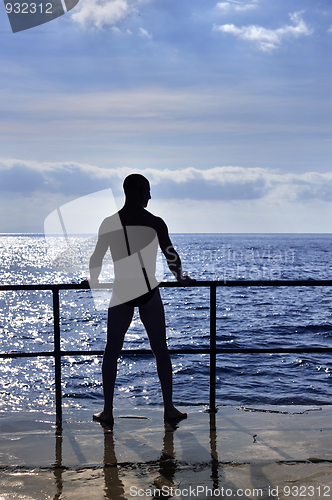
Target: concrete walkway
[[240, 452]]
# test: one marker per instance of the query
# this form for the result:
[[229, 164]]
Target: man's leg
[[118, 321], [153, 318]]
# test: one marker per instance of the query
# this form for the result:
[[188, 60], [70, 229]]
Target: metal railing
[[212, 350]]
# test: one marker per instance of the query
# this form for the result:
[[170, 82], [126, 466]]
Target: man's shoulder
[[144, 218], [158, 221], [110, 224]]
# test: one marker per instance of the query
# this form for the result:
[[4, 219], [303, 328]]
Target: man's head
[[137, 189]]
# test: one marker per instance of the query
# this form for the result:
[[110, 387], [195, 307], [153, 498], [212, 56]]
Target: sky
[[224, 106]]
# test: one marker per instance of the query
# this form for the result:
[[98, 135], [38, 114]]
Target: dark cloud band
[[24, 178]]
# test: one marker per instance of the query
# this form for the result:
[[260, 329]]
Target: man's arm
[[172, 257], [96, 259]]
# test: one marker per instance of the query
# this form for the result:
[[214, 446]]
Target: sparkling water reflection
[[255, 317]]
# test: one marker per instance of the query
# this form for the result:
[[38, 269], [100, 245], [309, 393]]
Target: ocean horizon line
[[38, 233]]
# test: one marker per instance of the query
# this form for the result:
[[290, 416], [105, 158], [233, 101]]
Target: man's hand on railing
[[185, 280], [89, 283]]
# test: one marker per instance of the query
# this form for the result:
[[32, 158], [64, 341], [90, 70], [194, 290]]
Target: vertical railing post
[[57, 355], [213, 321]]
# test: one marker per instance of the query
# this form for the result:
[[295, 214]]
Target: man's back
[[113, 229], [132, 236]]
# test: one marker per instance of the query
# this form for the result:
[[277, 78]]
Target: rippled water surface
[[248, 316]]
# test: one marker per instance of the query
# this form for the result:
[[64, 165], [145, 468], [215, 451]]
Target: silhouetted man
[[132, 235]]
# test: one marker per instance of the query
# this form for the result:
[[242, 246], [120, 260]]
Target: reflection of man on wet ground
[[132, 235]]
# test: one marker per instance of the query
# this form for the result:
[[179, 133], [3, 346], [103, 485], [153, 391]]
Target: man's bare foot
[[174, 414], [105, 418]]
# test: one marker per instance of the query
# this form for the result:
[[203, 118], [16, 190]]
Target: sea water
[[246, 317]]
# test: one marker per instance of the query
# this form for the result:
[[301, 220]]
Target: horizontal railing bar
[[175, 284], [276, 350], [4, 355], [131, 352]]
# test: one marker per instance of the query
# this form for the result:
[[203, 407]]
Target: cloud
[[239, 183], [266, 39], [232, 5], [229, 183], [100, 13], [23, 178], [220, 183], [145, 34]]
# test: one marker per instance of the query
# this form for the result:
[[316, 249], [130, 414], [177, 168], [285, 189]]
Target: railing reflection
[[162, 473]]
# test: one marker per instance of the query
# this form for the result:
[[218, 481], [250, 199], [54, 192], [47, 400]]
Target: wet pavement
[[239, 452]]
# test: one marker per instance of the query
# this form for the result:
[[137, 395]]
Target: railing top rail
[[171, 284]]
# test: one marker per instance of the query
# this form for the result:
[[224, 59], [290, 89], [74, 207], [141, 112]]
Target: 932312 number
[[25, 8]]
